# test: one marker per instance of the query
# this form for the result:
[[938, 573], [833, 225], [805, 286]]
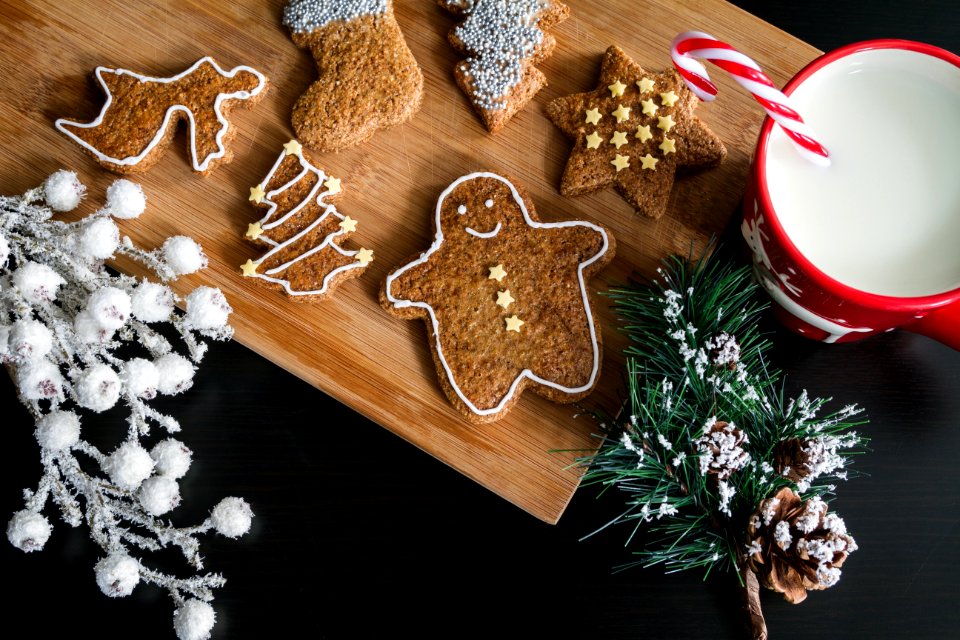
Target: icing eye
[[462, 209], [488, 204]]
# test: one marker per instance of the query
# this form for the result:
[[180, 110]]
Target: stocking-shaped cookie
[[368, 79], [140, 115], [504, 297]]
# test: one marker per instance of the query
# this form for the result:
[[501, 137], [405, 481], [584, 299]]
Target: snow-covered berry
[[110, 307], [89, 331], [28, 531], [37, 282], [183, 255], [207, 309], [129, 465], [4, 343], [159, 495], [176, 374], [171, 458], [4, 250], [40, 380], [152, 302], [140, 378], [232, 517], [97, 388], [58, 430], [194, 620], [117, 574], [98, 238], [125, 200], [63, 191], [29, 340]]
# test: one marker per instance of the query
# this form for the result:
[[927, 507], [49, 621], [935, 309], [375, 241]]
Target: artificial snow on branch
[[64, 321], [725, 472]]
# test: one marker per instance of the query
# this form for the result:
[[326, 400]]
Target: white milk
[[885, 216]]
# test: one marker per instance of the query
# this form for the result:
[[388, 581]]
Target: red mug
[[838, 271]]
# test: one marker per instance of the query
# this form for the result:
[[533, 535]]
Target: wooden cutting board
[[348, 347]]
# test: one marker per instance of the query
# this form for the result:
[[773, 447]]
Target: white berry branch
[[65, 320]]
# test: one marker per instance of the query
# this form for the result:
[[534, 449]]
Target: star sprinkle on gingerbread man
[[634, 132], [504, 296]]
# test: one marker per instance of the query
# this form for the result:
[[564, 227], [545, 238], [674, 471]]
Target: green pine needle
[[696, 357]]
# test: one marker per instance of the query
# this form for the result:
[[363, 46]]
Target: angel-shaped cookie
[[141, 113]]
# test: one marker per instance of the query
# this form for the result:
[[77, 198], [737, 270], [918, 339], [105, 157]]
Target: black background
[[358, 534]]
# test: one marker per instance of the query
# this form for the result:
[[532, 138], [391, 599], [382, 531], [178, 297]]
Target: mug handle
[[942, 325]]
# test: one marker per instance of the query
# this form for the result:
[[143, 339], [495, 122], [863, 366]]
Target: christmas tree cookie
[[503, 40], [368, 78], [634, 133], [141, 113], [302, 231], [504, 297]]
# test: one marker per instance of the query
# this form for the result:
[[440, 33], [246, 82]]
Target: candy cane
[[690, 45]]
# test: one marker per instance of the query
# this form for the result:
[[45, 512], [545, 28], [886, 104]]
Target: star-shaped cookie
[[654, 113]]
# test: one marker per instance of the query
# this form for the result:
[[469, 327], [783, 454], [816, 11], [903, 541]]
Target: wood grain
[[349, 347]]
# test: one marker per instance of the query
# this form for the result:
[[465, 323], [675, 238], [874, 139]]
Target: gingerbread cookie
[[503, 40], [634, 132], [141, 113], [302, 230], [504, 297], [368, 79]]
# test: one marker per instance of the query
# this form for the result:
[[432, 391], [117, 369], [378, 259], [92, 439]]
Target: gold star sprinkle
[[254, 230], [666, 123], [649, 107], [593, 116], [332, 185], [348, 224], [619, 138], [249, 268], [622, 113], [649, 162], [668, 146], [594, 140], [616, 89], [292, 148], [669, 98], [365, 256], [643, 133], [497, 273], [257, 194], [504, 299], [646, 85], [621, 162], [514, 323]]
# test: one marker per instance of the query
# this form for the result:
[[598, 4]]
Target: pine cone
[[790, 456], [721, 450], [796, 545]]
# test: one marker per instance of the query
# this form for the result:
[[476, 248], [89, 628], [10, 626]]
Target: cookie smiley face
[[504, 297], [472, 209]]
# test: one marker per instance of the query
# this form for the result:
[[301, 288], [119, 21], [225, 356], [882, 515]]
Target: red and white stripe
[[689, 46]]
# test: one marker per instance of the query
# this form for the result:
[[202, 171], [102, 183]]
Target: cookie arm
[[402, 292]]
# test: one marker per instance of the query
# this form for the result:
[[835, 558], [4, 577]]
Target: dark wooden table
[[359, 534]]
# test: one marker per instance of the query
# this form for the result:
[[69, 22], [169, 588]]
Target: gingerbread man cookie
[[503, 40], [504, 297], [634, 132], [302, 230], [368, 78], [141, 113]]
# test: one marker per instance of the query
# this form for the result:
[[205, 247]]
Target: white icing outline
[[526, 373], [328, 240], [132, 160], [484, 234]]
